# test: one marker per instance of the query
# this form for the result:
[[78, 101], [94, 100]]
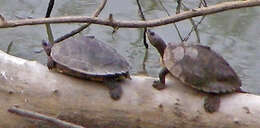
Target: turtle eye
[[44, 43], [152, 33], [92, 37]]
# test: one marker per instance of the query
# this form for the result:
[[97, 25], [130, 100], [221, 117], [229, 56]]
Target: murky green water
[[234, 34]]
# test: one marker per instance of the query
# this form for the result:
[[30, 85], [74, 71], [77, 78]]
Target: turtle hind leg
[[212, 103], [115, 90], [160, 84]]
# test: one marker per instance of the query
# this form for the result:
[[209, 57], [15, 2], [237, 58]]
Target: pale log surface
[[32, 86]]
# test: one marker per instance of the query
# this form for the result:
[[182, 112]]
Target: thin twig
[[74, 32], [178, 8], [204, 3], [136, 24], [48, 26], [9, 47], [144, 35], [175, 26], [51, 4], [140, 10], [194, 26], [38, 116], [144, 61], [143, 18]]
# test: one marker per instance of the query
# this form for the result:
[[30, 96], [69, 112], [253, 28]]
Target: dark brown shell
[[200, 67], [87, 55]]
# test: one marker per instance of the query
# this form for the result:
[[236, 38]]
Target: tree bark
[[32, 86]]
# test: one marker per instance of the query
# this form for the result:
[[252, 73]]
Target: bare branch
[[38, 116], [136, 24], [74, 32]]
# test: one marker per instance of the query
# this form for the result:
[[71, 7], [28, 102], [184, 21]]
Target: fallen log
[[30, 85]]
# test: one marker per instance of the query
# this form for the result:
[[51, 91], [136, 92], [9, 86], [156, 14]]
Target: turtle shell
[[201, 68], [85, 55]]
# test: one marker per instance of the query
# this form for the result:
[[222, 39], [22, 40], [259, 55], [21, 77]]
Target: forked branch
[[135, 24]]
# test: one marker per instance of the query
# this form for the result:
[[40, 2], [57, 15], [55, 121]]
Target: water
[[233, 34]]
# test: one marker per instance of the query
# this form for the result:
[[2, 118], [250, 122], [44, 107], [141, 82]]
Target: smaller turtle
[[198, 67], [88, 58]]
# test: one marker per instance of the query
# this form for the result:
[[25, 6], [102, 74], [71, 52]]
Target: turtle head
[[127, 76], [156, 41], [47, 47]]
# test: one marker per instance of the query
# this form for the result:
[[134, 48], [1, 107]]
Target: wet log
[[32, 86]]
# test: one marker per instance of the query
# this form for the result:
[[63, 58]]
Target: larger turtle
[[89, 58], [198, 67]]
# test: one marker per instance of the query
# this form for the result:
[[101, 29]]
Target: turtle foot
[[211, 103], [50, 63], [116, 93], [158, 85], [115, 90]]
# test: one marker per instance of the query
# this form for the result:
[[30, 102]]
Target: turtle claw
[[211, 103], [158, 85], [115, 93]]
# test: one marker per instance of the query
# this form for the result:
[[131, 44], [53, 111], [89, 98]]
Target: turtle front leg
[[212, 103], [51, 63], [47, 48], [115, 90], [160, 84]]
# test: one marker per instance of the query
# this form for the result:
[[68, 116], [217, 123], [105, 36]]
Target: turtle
[[88, 58], [196, 66]]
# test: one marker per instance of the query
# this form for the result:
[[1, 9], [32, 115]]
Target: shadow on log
[[32, 86]]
